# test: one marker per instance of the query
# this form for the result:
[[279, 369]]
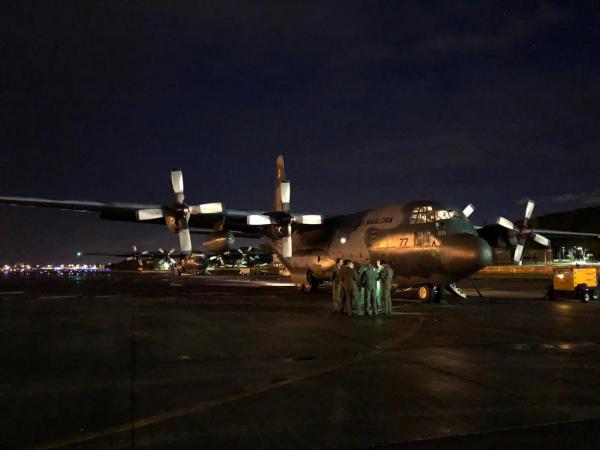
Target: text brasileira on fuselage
[[429, 244]]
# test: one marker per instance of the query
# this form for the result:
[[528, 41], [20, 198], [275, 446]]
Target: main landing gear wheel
[[299, 285], [424, 292]]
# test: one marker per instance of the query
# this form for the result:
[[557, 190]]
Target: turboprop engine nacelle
[[219, 241]]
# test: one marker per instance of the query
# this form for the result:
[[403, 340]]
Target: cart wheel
[[585, 296]]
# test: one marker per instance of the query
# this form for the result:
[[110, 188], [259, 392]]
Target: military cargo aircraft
[[430, 245]]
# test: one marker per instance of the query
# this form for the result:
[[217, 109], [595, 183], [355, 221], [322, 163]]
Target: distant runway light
[[343, 240]]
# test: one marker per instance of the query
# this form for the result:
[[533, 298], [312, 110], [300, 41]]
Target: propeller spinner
[[523, 232]]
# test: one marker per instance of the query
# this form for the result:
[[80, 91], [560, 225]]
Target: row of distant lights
[[49, 268]]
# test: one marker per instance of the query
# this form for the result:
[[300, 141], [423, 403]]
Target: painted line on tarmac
[[52, 297], [107, 296], [12, 292], [208, 404]]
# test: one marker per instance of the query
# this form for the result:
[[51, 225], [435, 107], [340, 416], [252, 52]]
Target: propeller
[[283, 221], [177, 215], [166, 258], [521, 233], [135, 255]]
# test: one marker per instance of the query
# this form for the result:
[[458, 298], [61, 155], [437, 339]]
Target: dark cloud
[[371, 103]]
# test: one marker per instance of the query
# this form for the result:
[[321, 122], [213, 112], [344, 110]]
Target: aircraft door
[[423, 239]]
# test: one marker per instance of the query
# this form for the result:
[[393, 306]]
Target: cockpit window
[[442, 214], [426, 214], [419, 215]]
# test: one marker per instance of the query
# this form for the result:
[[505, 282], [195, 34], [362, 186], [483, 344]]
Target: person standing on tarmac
[[349, 289], [360, 300], [386, 275], [378, 268], [336, 285], [369, 282]]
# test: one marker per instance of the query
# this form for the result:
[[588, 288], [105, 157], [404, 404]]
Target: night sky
[[369, 102]]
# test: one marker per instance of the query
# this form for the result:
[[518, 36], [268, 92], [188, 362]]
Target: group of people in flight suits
[[365, 290]]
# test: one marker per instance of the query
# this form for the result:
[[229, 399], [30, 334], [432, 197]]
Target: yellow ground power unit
[[578, 282]]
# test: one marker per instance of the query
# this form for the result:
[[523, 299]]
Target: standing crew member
[[378, 268], [361, 306], [350, 292], [386, 275], [369, 282], [336, 285]]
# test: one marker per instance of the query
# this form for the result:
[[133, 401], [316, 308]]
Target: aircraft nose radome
[[464, 254]]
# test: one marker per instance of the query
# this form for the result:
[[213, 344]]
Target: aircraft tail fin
[[282, 187]]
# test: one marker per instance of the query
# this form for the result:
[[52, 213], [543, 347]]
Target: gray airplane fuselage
[[426, 242]]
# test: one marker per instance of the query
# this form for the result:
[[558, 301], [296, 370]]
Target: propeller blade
[[285, 190], [287, 247], [529, 210], [287, 243], [469, 209], [541, 239], [258, 219], [140, 263], [185, 241], [130, 258], [177, 181], [207, 208], [134, 248], [310, 219], [518, 253], [161, 251], [170, 252], [145, 252], [506, 223], [149, 214], [172, 261]]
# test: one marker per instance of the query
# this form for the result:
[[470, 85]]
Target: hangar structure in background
[[430, 245]]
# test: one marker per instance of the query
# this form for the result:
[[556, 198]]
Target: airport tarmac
[[213, 362]]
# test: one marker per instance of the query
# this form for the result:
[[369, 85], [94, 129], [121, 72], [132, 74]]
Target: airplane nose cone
[[464, 254]]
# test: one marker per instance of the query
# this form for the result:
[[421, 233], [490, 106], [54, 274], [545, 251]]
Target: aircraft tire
[[299, 285], [424, 293]]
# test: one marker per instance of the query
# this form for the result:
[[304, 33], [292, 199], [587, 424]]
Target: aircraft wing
[[555, 233], [565, 234], [234, 219], [77, 205], [238, 234]]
